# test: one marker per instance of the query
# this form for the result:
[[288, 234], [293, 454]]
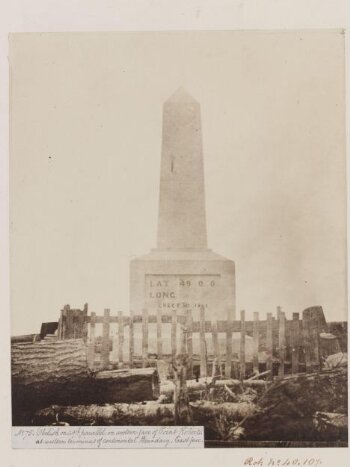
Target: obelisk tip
[[181, 96]]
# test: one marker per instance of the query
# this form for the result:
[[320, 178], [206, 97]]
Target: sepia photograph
[[178, 238]]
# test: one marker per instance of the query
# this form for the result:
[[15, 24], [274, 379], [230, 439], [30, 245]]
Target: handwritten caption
[[91, 437], [282, 462]]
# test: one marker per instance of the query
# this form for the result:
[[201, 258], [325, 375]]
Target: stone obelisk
[[182, 274], [182, 220]]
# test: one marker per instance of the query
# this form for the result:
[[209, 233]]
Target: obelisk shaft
[[182, 219]]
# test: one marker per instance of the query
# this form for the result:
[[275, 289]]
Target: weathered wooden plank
[[228, 362], [242, 347], [60, 326], [131, 339], [256, 343], [113, 356], [315, 345], [183, 340], [311, 317], [78, 322], [281, 341], [173, 334], [189, 326], [64, 324], [91, 347], [202, 343], [216, 346], [105, 339], [159, 334], [275, 331], [75, 325], [295, 343], [84, 324], [69, 334], [269, 345], [120, 336], [288, 332], [306, 342], [145, 338]]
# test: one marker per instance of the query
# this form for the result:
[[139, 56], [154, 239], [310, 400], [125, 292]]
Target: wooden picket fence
[[288, 346]]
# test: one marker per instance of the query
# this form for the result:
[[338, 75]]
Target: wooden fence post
[[114, 355], [183, 344], [69, 331], [189, 325], [120, 336], [62, 325], [159, 334], [269, 345], [214, 330], [242, 347], [105, 339], [173, 333], [306, 342], [73, 323], [314, 335], [256, 343], [281, 340], [85, 324], [79, 318], [315, 345], [59, 327], [131, 339], [144, 337], [228, 362], [295, 343], [91, 348], [203, 350]]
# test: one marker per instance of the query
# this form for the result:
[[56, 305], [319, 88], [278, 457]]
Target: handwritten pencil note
[[91, 437]]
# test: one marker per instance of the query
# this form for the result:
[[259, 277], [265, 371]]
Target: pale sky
[[86, 120]]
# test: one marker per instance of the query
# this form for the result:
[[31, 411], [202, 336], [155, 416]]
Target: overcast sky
[[86, 119]]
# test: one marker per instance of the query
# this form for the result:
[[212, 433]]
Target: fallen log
[[205, 410], [29, 338], [127, 385], [289, 405], [48, 361], [195, 387], [47, 372], [108, 414], [56, 372], [150, 413]]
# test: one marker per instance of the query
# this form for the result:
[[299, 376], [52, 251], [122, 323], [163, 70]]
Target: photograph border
[[144, 15]]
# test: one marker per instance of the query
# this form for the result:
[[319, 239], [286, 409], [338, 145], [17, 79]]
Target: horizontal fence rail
[[239, 348]]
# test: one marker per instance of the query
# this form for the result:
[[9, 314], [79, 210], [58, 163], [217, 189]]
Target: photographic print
[[178, 239]]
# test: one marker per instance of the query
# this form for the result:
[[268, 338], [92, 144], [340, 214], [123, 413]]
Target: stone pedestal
[[175, 281]]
